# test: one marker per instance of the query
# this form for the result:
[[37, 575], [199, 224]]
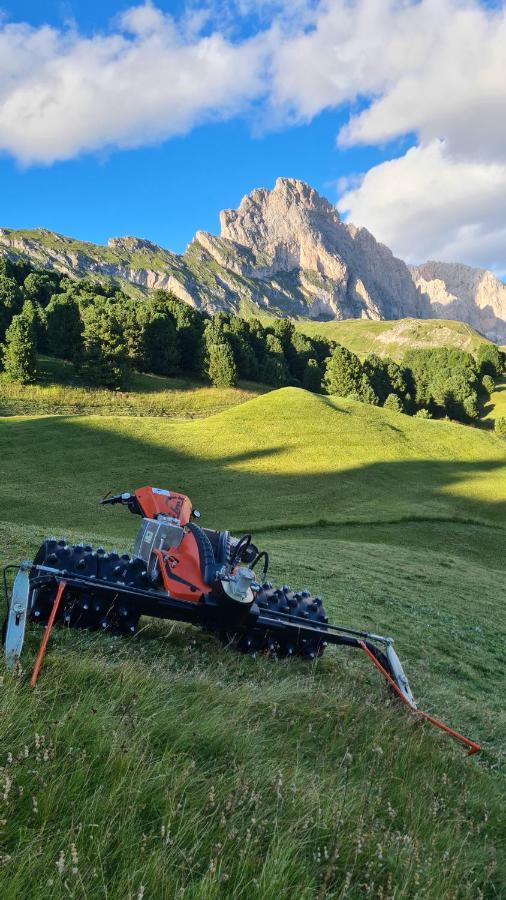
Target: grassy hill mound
[[393, 338], [164, 766]]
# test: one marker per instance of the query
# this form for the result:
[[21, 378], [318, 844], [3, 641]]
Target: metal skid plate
[[18, 614]]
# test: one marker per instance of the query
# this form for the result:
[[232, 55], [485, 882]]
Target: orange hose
[[42, 649], [473, 747]]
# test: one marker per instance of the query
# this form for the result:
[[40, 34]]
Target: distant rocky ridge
[[283, 251], [468, 295]]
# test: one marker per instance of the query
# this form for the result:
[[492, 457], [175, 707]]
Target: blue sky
[[294, 77]]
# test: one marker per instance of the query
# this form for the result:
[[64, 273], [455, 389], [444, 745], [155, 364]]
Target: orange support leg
[[42, 649], [473, 747]]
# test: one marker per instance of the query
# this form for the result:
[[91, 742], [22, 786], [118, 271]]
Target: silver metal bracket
[[18, 615]]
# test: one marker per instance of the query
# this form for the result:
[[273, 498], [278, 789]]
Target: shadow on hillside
[[489, 407], [54, 470]]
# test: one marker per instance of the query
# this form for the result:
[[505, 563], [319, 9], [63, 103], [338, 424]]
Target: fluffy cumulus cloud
[[149, 79], [431, 70], [426, 205], [435, 69]]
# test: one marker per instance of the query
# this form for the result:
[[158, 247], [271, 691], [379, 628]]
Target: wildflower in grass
[[7, 787], [60, 862], [140, 894], [35, 805], [74, 858]]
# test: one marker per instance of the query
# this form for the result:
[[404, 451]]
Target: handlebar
[[117, 498]]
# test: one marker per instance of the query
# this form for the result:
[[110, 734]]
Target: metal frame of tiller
[[254, 623]]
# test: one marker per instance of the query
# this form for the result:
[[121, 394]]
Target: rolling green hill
[[165, 766], [393, 338]]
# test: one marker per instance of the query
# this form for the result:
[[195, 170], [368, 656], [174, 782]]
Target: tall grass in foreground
[[161, 767]]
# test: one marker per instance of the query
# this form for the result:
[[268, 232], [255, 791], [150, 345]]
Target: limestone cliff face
[[455, 291], [283, 250], [342, 271]]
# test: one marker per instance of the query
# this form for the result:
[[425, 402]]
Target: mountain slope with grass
[[165, 766], [394, 337]]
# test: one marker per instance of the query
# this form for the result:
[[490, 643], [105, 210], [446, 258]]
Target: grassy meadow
[[60, 391], [165, 766]]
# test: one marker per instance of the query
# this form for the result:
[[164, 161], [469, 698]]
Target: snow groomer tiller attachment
[[186, 573]]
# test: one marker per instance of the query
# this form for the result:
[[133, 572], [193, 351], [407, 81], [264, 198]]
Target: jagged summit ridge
[[340, 271], [285, 251]]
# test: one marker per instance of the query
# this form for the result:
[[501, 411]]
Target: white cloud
[[427, 205], [62, 94], [430, 67], [435, 69]]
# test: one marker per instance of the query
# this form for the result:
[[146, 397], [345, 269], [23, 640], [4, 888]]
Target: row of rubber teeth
[[90, 615], [249, 643], [291, 601], [124, 560]]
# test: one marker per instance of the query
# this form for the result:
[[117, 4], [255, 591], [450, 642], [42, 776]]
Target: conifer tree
[[343, 374], [221, 367], [19, 351], [394, 402], [312, 377], [104, 359], [64, 327]]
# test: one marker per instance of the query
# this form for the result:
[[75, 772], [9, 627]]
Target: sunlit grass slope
[[286, 458], [393, 338], [165, 766]]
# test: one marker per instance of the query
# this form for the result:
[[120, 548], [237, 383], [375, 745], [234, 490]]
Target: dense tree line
[[107, 334], [432, 383]]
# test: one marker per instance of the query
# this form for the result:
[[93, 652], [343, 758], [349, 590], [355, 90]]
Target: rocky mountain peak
[[284, 227], [292, 232], [285, 251]]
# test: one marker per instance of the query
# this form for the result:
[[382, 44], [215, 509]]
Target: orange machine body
[[180, 569], [157, 502], [179, 566]]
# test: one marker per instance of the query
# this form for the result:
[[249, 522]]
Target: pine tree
[[19, 352], [500, 427], [488, 384], [312, 377], [160, 353], [274, 370], [40, 286], [221, 367], [105, 354], [393, 402], [10, 302], [343, 374], [489, 359], [64, 327]]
